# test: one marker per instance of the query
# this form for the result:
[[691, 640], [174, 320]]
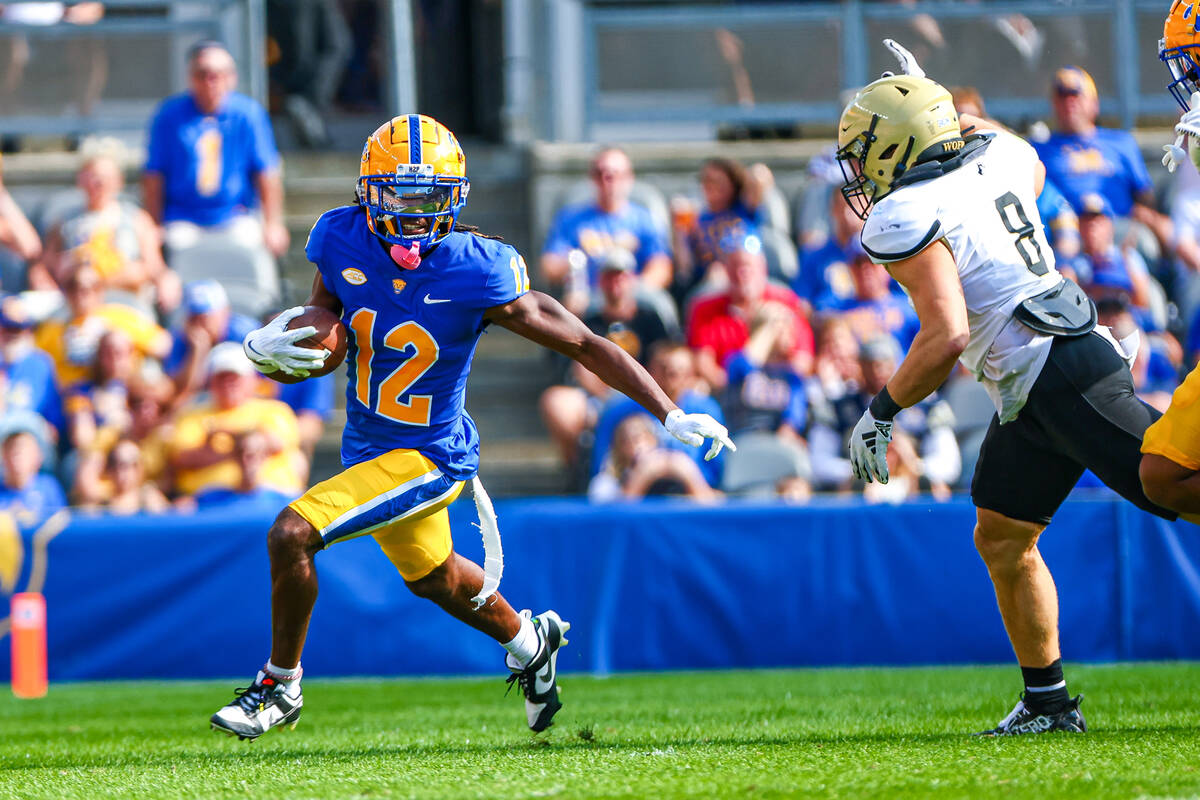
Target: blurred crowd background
[[142, 240]]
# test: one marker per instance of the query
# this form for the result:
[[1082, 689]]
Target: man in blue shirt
[[27, 493], [27, 372], [609, 222], [210, 320], [211, 158], [824, 275], [1082, 159]]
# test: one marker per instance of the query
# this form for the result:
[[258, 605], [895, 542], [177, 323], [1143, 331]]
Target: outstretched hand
[[908, 62], [693, 429]]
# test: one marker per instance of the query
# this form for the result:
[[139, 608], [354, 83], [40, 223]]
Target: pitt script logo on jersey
[[354, 276]]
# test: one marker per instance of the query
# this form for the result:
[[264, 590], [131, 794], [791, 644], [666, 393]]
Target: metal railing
[[629, 66], [107, 77]]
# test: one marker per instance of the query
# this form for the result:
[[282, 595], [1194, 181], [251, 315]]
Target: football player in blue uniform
[[415, 290]]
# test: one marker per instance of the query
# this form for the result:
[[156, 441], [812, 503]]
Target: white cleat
[[258, 708]]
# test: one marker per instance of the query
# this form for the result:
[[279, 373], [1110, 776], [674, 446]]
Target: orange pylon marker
[[29, 645]]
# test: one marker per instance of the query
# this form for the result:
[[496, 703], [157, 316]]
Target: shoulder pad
[[900, 226]]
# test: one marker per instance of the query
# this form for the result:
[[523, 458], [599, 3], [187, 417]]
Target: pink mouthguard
[[407, 259]]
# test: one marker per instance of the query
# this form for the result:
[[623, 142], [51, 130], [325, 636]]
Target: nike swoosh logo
[[429, 300], [251, 348]]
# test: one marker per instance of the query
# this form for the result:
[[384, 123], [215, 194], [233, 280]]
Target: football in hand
[[330, 335]]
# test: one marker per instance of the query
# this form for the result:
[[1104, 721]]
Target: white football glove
[[272, 347], [693, 429], [1174, 154], [868, 448], [908, 62]]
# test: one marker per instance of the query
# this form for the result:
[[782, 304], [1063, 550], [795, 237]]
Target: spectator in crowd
[[212, 161], [206, 441], [821, 188], [873, 309], [73, 343], [622, 316], [584, 232], [311, 400], [18, 237], [117, 238], [251, 451], [733, 199], [719, 326], [131, 492], [26, 492], [102, 402], [209, 321], [837, 370], [673, 367], [307, 52], [85, 55], [1105, 269], [904, 469], [1154, 375], [27, 370], [930, 423], [1082, 159], [148, 428], [639, 465], [824, 277], [765, 393], [1062, 226]]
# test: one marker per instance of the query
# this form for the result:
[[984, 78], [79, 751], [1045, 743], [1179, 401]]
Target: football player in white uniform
[[950, 208]]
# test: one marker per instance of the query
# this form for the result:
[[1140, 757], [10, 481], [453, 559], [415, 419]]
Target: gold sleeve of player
[[1176, 434]]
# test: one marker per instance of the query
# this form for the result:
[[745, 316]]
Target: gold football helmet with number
[[412, 181], [890, 126]]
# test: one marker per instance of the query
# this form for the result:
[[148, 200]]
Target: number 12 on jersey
[[390, 403]]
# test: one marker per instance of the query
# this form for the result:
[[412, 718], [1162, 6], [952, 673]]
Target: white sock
[[284, 675], [524, 646]]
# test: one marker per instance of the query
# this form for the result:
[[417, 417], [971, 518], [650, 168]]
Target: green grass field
[[796, 733]]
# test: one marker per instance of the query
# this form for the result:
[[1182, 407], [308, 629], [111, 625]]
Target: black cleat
[[538, 679], [1022, 720]]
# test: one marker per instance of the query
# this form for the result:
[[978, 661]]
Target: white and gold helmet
[[891, 125]]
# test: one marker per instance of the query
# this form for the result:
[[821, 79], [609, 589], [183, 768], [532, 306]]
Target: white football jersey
[[986, 213]]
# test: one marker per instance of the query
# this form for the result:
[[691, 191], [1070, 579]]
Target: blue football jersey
[[412, 336]]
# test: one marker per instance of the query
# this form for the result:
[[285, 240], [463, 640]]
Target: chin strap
[[493, 555]]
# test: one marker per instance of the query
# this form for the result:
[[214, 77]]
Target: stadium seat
[[761, 461], [775, 212], [783, 263], [248, 274], [973, 412]]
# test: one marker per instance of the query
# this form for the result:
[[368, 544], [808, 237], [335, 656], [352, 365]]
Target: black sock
[[1045, 688]]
